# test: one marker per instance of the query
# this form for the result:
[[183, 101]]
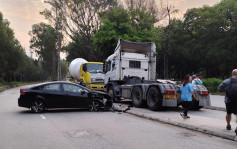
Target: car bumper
[[22, 103]]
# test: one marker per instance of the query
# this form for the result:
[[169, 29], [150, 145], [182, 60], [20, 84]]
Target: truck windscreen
[[95, 68]]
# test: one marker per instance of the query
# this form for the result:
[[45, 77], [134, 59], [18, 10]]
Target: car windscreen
[[95, 68]]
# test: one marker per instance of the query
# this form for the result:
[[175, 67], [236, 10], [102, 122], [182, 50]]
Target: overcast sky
[[22, 14]]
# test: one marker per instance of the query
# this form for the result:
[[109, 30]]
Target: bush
[[212, 84]]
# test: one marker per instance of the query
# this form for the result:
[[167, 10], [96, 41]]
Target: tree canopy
[[203, 41], [135, 25], [14, 63]]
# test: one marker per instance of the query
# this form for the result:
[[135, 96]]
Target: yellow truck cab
[[88, 74], [92, 75]]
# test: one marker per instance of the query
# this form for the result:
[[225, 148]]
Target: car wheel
[[94, 106], [137, 97], [154, 99], [37, 106]]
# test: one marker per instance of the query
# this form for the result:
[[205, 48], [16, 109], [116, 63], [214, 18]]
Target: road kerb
[[183, 125], [215, 108]]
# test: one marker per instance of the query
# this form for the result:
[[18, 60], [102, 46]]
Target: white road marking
[[42, 116]]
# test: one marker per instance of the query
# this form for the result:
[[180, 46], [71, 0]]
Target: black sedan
[[62, 95]]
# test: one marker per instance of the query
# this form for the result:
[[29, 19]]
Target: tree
[[14, 63], [213, 30], [80, 21], [135, 25], [152, 7], [43, 41]]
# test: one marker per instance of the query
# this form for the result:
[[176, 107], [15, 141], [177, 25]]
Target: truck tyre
[[137, 97], [196, 105], [154, 99], [112, 94]]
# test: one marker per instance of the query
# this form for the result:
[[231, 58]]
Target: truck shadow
[[165, 109]]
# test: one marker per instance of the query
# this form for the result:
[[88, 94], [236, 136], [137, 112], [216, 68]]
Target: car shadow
[[61, 110]]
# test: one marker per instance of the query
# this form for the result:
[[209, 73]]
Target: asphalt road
[[19, 128]]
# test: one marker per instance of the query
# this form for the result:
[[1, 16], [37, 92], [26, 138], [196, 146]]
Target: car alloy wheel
[[38, 106], [94, 106]]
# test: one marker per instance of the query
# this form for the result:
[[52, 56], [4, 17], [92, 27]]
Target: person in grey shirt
[[230, 106]]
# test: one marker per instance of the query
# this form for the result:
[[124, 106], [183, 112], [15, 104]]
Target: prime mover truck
[[88, 74], [130, 73]]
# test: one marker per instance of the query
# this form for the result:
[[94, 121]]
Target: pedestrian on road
[[187, 91], [230, 86], [196, 80]]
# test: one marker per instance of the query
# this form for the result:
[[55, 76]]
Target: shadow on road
[[173, 109], [66, 110]]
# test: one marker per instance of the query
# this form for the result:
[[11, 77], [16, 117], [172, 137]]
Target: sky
[[22, 14]]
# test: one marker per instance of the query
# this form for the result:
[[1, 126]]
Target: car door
[[54, 97], [76, 96]]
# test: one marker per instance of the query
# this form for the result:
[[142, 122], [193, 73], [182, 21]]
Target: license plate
[[169, 96]]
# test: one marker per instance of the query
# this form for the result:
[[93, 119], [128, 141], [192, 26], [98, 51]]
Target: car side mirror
[[83, 92]]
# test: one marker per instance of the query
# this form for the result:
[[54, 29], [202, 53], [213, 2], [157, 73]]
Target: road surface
[[73, 129]]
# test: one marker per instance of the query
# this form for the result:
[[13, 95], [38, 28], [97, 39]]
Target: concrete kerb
[[215, 108], [183, 125]]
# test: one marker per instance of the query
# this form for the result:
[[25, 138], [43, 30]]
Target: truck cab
[[129, 62], [88, 74], [92, 75]]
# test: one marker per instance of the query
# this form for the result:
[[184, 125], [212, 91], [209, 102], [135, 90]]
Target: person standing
[[187, 91], [196, 80], [230, 86]]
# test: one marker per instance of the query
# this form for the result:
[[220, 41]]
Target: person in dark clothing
[[230, 85], [187, 91]]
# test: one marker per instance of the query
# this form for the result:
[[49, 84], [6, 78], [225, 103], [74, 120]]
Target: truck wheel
[[154, 99], [112, 95], [137, 97], [196, 105]]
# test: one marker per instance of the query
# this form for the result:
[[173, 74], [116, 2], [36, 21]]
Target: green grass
[[10, 83]]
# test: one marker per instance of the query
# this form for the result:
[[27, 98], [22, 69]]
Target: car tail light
[[204, 92], [23, 91], [170, 92]]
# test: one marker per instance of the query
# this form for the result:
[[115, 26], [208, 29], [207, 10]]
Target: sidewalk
[[208, 125]]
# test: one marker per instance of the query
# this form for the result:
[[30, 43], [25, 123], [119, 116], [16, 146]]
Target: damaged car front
[[100, 101]]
